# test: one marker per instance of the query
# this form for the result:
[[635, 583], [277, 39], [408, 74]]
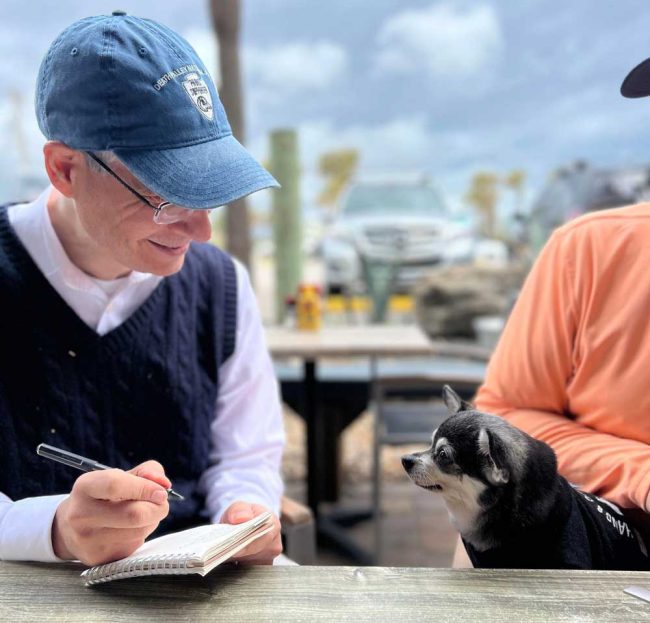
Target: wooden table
[[372, 342], [365, 341], [38, 592]]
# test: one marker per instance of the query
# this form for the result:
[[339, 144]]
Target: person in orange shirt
[[572, 366]]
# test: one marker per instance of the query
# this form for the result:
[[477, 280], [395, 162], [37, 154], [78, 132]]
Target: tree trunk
[[225, 20]]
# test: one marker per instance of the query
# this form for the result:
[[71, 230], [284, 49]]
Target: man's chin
[[169, 268], [161, 267]]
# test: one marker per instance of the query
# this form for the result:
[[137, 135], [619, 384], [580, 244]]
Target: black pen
[[84, 464]]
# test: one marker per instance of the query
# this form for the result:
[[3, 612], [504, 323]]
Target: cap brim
[[637, 82], [202, 176]]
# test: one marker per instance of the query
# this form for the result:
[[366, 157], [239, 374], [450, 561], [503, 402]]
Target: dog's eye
[[444, 456]]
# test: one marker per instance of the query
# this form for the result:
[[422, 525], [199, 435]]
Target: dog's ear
[[491, 447], [455, 404]]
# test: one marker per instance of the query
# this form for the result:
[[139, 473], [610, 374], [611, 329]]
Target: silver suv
[[405, 222]]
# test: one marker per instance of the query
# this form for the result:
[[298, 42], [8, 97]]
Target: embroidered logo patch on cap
[[199, 93]]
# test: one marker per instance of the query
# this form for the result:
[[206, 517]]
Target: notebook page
[[194, 543], [224, 555], [217, 557]]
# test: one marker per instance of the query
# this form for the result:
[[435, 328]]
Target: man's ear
[[492, 449], [60, 160], [455, 404]]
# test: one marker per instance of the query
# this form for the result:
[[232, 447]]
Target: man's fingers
[[258, 509], [264, 549], [115, 485], [119, 515], [107, 516], [238, 512], [152, 470]]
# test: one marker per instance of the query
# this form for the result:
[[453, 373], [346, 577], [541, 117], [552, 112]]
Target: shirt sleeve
[[26, 528], [247, 430], [528, 374]]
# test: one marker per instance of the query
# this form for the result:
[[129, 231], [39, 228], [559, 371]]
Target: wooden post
[[287, 222], [226, 21]]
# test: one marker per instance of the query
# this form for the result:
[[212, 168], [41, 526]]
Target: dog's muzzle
[[408, 462]]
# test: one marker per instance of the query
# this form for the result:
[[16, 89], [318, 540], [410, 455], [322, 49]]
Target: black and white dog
[[510, 505]]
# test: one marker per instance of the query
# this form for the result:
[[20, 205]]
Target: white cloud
[[444, 40], [403, 145], [396, 145], [295, 67]]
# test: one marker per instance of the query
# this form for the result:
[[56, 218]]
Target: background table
[[372, 342], [327, 407], [365, 340], [37, 592]]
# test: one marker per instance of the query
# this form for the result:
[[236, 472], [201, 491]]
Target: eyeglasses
[[165, 213]]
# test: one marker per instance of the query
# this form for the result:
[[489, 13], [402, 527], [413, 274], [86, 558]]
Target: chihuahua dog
[[512, 508]]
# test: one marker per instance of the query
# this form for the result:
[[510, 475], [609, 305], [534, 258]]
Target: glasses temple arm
[[106, 168]]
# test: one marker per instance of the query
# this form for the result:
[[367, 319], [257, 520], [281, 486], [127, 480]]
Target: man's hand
[[110, 513], [262, 551]]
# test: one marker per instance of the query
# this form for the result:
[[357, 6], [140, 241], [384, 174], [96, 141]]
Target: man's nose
[[199, 226]]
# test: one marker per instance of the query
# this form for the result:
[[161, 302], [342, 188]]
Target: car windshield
[[393, 199]]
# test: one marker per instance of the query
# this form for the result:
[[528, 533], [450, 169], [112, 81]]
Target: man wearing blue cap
[[134, 341]]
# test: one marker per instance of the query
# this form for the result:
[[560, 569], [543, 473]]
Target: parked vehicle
[[579, 188], [403, 221]]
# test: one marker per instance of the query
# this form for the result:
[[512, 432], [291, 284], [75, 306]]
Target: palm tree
[[225, 21], [516, 181], [483, 195], [338, 167]]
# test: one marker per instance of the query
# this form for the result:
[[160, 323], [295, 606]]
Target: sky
[[446, 88]]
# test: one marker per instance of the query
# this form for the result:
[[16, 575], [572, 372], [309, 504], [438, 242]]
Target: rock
[[449, 298]]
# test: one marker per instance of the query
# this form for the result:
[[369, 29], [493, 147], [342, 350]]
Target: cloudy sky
[[445, 87]]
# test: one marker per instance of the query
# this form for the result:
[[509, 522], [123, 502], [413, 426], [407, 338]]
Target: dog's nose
[[408, 460]]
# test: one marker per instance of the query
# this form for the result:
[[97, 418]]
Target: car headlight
[[459, 250], [338, 249]]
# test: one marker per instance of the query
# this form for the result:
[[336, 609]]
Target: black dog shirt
[[582, 532]]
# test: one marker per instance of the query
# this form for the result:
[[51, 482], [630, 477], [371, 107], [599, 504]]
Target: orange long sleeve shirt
[[572, 366]]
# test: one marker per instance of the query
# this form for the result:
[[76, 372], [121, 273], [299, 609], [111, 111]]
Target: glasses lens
[[174, 214]]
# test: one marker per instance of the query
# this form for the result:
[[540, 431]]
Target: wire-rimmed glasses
[[165, 213]]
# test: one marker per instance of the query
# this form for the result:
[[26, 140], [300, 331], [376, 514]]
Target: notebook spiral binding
[[147, 565]]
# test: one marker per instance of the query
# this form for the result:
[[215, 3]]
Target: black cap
[[637, 82], [119, 12]]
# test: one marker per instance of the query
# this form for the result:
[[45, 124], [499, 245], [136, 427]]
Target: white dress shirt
[[247, 435]]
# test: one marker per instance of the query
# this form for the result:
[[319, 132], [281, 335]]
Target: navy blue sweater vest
[[146, 389]]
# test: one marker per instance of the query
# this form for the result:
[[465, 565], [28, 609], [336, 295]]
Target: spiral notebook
[[197, 550]]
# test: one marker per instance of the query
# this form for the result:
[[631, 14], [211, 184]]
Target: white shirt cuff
[[26, 529]]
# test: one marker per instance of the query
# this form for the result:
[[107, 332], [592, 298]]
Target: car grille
[[406, 242]]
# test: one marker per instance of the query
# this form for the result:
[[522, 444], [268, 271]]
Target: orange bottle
[[308, 307]]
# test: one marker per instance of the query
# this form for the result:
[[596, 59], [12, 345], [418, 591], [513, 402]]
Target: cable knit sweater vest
[[147, 389]]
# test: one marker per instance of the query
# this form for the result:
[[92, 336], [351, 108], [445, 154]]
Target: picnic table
[[55, 592]]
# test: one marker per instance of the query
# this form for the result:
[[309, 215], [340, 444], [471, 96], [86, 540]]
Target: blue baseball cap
[[637, 82], [135, 87]]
